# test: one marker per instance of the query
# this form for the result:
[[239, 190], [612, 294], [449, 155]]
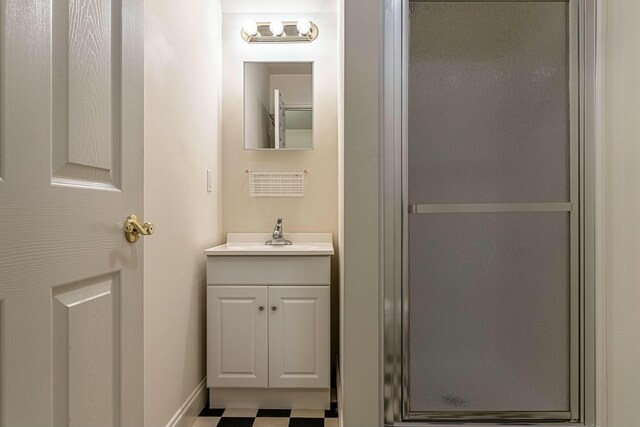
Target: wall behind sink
[[317, 211]]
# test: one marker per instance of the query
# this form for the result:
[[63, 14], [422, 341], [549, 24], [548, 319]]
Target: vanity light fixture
[[303, 26], [301, 30], [250, 28], [276, 27]]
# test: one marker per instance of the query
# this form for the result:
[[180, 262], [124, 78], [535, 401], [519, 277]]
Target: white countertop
[[252, 244]]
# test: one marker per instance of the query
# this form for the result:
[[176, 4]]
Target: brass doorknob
[[133, 229]]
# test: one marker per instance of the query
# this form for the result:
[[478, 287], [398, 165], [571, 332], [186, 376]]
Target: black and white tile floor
[[268, 417]]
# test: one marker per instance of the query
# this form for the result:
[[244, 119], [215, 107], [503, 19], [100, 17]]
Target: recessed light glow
[[250, 28], [303, 26], [276, 27]]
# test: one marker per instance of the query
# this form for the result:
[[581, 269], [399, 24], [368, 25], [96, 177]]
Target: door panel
[[70, 284], [86, 141], [489, 102], [299, 336], [488, 311], [85, 330], [280, 120], [26, 376], [237, 336]]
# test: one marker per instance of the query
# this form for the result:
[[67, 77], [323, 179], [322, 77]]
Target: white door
[[280, 120], [299, 353], [71, 139], [237, 339]]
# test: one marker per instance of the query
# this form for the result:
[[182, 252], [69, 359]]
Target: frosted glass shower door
[[492, 188]]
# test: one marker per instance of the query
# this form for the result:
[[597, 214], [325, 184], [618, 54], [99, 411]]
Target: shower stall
[[487, 207]]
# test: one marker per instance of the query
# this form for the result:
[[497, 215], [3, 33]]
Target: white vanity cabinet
[[237, 336], [299, 344], [268, 325], [268, 336]]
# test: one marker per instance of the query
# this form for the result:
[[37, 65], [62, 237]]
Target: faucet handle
[[277, 230]]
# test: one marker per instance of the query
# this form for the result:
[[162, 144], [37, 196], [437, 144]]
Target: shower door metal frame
[[394, 212]]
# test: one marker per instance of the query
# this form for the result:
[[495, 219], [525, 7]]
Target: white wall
[[258, 105], [360, 336], [623, 211], [296, 89], [283, 6], [182, 141], [317, 211], [340, 50]]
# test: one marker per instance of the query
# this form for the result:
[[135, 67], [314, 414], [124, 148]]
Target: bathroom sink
[[254, 244]]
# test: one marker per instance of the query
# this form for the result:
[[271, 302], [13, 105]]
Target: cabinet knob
[[274, 308], [261, 308]]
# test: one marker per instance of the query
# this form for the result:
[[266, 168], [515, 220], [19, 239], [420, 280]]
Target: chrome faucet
[[277, 238]]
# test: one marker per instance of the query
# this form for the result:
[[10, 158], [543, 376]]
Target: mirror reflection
[[278, 105]]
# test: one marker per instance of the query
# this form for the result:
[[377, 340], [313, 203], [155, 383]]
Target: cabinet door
[[299, 336], [237, 336]]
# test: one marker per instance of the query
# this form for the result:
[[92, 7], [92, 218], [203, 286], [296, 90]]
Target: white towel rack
[[276, 184]]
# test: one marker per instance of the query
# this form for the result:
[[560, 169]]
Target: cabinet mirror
[[278, 105]]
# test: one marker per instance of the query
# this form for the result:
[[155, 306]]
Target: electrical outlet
[[209, 180]]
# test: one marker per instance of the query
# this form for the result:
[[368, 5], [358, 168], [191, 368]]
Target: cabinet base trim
[[269, 398]]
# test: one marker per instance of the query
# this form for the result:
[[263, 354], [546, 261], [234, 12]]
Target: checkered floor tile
[[268, 417]]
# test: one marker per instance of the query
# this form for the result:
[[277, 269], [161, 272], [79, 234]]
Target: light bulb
[[276, 27], [250, 28], [303, 26]]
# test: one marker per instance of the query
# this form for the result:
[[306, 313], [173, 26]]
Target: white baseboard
[[190, 409], [270, 398]]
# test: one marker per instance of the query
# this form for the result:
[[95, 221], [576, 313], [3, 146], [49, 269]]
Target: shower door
[[491, 188]]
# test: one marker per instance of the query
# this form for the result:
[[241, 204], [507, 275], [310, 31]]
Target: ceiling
[[279, 6]]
